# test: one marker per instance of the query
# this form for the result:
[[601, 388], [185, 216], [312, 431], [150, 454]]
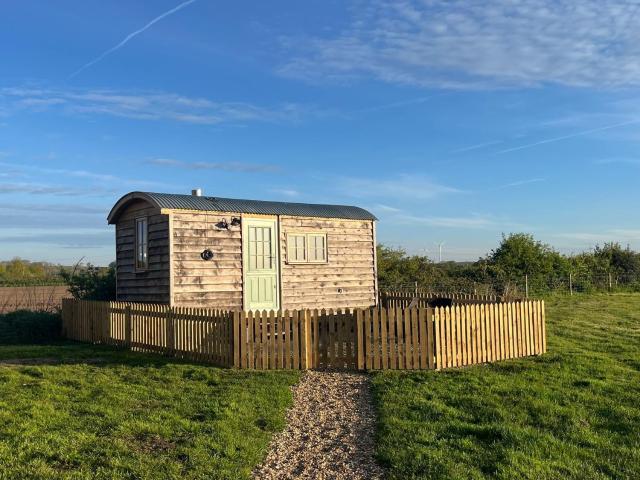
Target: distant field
[[573, 413], [40, 297]]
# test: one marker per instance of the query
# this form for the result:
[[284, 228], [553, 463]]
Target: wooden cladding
[[364, 339]]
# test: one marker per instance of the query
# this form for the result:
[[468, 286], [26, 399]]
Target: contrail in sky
[[564, 137], [476, 147], [130, 36]]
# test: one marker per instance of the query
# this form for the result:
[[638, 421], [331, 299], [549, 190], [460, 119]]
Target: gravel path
[[329, 433]]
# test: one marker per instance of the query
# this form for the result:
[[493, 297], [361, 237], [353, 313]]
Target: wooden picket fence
[[195, 333], [421, 298], [363, 339], [297, 339], [446, 337]]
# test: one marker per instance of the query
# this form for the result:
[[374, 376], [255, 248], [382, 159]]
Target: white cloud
[[461, 44], [619, 161], [225, 166], [611, 235], [52, 189], [102, 178], [398, 104], [471, 222], [519, 183], [403, 186], [38, 208], [386, 208], [84, 238], [286, 192], [144, 105]]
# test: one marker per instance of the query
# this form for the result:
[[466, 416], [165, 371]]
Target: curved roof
[[217, 204]]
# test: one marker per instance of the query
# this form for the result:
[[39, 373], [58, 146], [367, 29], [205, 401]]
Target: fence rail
[[364, 339], [196, 333], [422, 297]]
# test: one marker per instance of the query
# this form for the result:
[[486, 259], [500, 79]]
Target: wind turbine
[[440, 245]]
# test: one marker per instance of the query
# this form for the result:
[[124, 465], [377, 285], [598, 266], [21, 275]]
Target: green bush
[[25, 327], [91, 282]]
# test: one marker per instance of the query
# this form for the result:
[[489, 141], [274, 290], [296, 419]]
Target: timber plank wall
[[151, 285], [216, 283], [347, 280], [178, 276]]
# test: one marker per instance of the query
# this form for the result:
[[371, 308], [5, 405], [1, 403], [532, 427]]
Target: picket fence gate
[[360, 339]]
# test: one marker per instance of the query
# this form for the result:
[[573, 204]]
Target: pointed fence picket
[[362, 339]]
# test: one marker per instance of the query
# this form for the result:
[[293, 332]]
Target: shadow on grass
[[69, 352]]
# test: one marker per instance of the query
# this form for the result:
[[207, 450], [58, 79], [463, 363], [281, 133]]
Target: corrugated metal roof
[[219, 204]]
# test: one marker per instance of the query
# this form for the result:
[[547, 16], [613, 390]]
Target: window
[[142, 244], [296, 247], [260, 248], [317, 248], [307, 248]]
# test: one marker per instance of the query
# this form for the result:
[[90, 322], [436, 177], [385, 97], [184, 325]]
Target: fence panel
[[419, 298], [200, 334], [372, 339]]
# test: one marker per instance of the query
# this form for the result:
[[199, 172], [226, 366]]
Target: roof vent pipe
[[196, 192]]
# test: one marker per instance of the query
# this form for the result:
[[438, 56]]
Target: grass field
[[572, 413], [93, 412], [79, 411]]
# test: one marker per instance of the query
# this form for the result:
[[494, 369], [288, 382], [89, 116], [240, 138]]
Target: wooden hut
[[194, 250]]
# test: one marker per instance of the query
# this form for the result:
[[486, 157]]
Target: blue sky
[[451, 121]]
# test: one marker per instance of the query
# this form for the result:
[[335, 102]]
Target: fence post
[[570, 284], [359, 340], [610, 285], [127, 325], [415, 288], [305, 340], [171, 335], [65, 317], [526, 286], [236, 338]]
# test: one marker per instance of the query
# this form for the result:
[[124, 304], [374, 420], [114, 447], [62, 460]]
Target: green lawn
[[572, 413], [104, 413]]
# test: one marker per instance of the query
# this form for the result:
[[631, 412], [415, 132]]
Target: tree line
[[517, 263], [84, 280], [23, 272]]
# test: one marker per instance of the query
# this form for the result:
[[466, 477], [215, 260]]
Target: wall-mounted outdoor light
[[206, 254], [235, 222]]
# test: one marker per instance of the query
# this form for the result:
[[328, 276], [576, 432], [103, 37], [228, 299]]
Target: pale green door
[[260, 264]]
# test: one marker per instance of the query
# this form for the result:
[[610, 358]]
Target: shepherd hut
[[201, 251]]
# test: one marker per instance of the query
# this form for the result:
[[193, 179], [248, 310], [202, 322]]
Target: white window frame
[[144, 244], [307, 259], [290, 247], [308, 245]]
